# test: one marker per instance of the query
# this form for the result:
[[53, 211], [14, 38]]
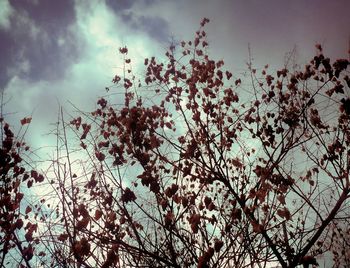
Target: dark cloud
[[7, 52], [49, 50], [49, 14], [156, 27], [119, 6]]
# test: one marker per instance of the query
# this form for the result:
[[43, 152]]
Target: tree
[[202, 168], [18, 217]]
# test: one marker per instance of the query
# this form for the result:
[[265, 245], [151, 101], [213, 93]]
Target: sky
[[60, 52]]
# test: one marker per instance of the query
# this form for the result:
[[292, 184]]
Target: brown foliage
[[17, 230], [202, 167]]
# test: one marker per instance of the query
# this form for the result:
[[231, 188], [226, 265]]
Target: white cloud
[[5, 13], [101, 33]]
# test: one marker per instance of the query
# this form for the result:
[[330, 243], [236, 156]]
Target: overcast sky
[[64, 50]]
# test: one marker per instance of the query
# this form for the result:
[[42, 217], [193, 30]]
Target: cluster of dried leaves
[[202, 168], [17, 228]]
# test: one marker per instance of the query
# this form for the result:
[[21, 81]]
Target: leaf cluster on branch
[[201, 167]]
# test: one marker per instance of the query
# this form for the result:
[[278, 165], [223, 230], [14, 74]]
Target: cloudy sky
[[53, 52]]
